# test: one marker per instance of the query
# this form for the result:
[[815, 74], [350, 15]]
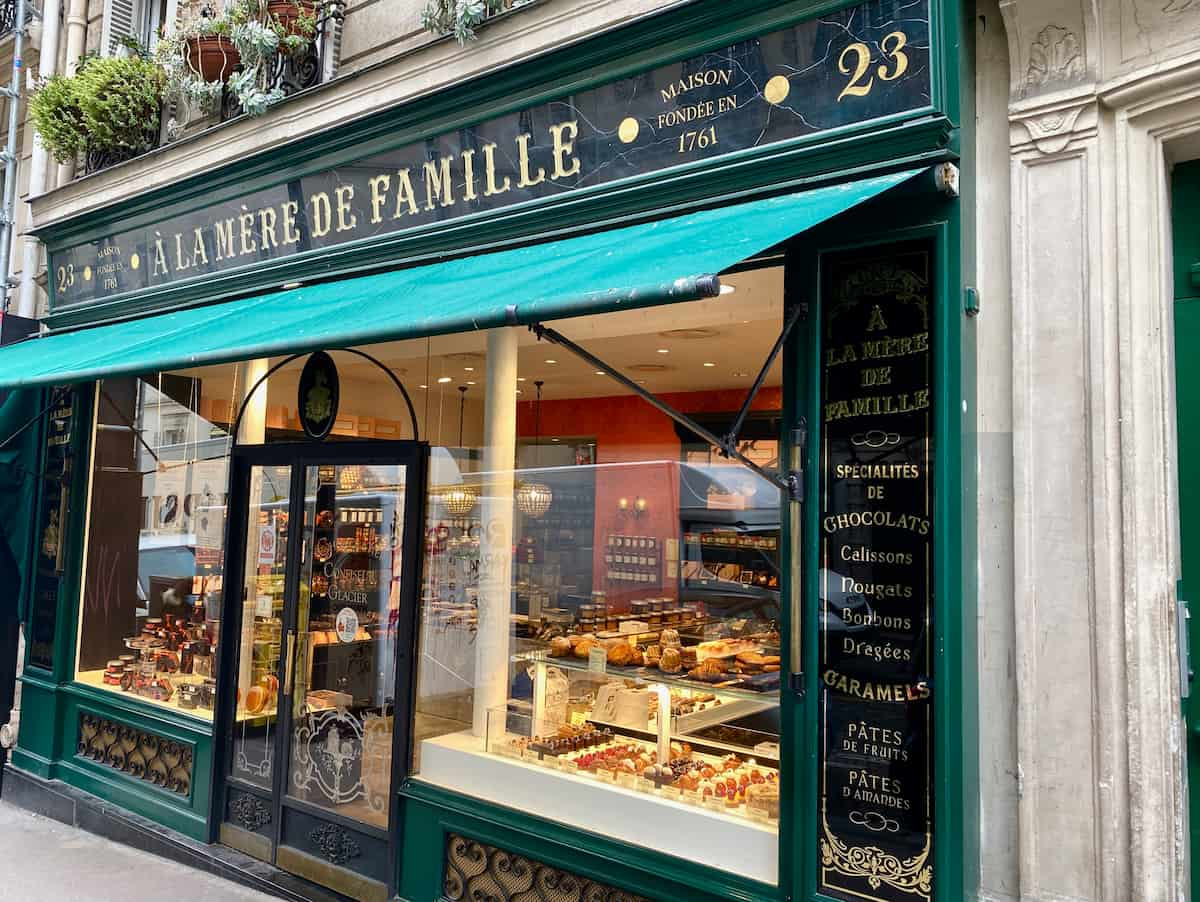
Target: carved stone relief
[[1148, 26], [1056, 57]]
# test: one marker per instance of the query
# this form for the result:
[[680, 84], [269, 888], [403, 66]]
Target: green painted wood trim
[[94, 779], [662, 38], [431, 812], [771, 170], [152, 718], [955, 681], [659, 38]]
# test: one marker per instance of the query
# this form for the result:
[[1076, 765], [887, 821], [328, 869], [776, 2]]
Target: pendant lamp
[[535, 498], [459, 500]]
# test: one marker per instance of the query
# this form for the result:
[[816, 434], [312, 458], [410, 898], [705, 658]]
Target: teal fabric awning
[[651, 263]]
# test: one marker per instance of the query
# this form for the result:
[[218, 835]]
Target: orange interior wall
[[627, 430]]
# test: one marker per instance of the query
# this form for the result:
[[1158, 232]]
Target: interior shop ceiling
[[707, 345]]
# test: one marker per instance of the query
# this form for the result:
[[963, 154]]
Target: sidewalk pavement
[[42, 860]]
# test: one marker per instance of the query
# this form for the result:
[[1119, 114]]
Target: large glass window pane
[[152, 581], [259, 651], [345, 665], [629, 575]]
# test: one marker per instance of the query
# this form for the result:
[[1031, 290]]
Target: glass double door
[[316, 688]]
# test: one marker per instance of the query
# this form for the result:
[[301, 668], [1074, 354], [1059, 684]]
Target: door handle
[[290, 666]]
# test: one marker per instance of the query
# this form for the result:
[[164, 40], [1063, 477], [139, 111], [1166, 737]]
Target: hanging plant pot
[[287, 13], [213, 56]]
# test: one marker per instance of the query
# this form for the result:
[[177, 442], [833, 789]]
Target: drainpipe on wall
[[76, 44], [8, 213], [39, 160]]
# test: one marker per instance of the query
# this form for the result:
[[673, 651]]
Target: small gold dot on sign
[[87, 274], [777, 89], [627, 131], [135, 261]]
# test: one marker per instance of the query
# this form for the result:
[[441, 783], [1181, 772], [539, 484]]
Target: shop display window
[[152, 579], [599, 626]]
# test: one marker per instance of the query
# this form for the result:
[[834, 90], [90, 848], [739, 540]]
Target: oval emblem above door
[[317, 396]]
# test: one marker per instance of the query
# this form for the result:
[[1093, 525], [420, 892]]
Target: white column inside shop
[[495, 574], [253, 432]]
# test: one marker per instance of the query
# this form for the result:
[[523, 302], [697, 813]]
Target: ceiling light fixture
[[708, 363], [551, 360], [444, 379], [534, 498], [468, 369], [601, 373], [664, 350]]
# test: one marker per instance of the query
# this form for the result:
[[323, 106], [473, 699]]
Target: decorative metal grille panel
[[475, 871], [156, 760]]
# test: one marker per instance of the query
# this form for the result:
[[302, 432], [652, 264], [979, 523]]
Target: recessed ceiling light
[[728, 289], [706, 363], [444, 379], [551, 360], [468, 369], [469, 382], [664, 350], [601, 373], [425, 386]]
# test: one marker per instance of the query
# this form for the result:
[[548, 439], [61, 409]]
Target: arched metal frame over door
[[322, 576]]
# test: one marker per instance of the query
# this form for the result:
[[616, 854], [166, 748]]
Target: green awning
[[659, 262]]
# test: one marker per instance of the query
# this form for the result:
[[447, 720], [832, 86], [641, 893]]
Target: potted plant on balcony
[[295, 21], [108, 110], [235, 48]]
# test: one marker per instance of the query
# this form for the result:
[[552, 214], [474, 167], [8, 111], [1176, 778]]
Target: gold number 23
[[893, 47]]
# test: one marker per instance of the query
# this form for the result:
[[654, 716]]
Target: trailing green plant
[[461, 17], [253, 33], [58, 118], [110, 107], [302, 32]]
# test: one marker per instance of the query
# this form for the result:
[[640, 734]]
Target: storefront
[[549, 490]]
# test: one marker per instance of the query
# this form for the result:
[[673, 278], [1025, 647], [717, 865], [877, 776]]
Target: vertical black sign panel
[[875, 818], [52, 531]]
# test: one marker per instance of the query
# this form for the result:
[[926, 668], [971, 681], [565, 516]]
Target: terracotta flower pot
[[287, 13], [213, 56]]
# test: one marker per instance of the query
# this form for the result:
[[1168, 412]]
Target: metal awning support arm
[[791, 484], [798, 312]]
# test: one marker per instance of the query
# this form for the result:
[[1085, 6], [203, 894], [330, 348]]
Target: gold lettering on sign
[[489, 168], [224, 232], [322, 214], [379, 186], [266, 229], [439, 183], [468, 158], [526, 181], [246, 232], [405, 194], [706, 79], [160, 258], [563, 148], [180, 263], [199, 251], [345, 216], [291, 234]]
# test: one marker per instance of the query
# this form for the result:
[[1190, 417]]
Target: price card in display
[[598, 659]]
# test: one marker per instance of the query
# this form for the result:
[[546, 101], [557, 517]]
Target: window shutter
[[121, 20]]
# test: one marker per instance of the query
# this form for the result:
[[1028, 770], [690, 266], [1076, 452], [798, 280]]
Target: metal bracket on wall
[[791, 482]]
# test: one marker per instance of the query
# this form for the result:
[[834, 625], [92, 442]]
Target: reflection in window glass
[[152, 581], [599, 625]]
